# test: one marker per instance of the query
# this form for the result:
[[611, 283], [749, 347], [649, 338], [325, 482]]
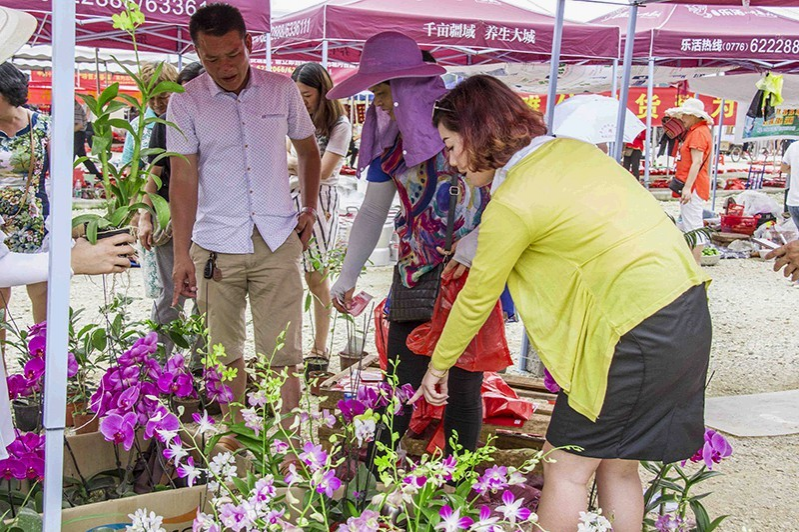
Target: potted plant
[[124, 186]]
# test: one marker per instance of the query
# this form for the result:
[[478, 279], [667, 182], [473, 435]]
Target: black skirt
[[655, 402]]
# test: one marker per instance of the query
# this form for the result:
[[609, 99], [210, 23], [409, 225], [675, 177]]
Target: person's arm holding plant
[[109, 255]]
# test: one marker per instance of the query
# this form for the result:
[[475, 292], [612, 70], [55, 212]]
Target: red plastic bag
[[501, 406], [488, 351], [381, 334]]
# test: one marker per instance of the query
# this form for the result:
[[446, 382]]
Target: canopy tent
[[457, 31], [741, 87], [165, 29], [700, 35], [741, 3]]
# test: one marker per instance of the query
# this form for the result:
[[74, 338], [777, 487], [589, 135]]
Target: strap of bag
[[453, 202]]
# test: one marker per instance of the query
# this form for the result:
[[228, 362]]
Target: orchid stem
[[11, 499]]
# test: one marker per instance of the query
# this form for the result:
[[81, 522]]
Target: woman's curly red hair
[[493, 121]]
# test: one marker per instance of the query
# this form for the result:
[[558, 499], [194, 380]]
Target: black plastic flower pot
[[28, 417]]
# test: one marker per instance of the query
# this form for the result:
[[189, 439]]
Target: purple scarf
[[413, 107]]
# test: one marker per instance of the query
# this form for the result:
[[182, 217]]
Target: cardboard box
[[177, 507], [92, 454]]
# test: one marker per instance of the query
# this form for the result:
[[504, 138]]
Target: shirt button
[[246, 145], [404, 152], [251, 192], [248, 168], [253, 214], [396, 104]]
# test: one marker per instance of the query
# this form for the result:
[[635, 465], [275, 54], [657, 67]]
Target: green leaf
[[166, 86], [118, 216], [132, 102], [124, 124], [91, 231], [161, 207], [83, 218], [29, 521], [89, 100], [179, 340], [99, 339], [702, 519], [108, 94], [716, 522]]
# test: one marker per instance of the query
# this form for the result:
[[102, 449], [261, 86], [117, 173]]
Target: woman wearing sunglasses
[[610, 294]]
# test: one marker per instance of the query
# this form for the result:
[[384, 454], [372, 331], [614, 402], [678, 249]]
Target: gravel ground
[[754, 350]]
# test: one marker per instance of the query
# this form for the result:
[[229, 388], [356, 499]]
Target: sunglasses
[[438, 107]]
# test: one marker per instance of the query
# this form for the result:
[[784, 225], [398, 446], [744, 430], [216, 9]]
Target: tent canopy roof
[[702, 35], [739, 3], [463, 31], [162, 32]]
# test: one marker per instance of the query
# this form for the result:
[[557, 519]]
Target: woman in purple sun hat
[[404, 154]]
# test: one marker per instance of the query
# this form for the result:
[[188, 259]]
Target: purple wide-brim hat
[[386, 56]]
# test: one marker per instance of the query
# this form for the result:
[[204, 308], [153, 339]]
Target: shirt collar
[[216, 89], [502, 173]]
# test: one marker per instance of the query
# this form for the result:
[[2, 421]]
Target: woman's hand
[[685, 198], [433, 388], [342, 301], [456, 268]]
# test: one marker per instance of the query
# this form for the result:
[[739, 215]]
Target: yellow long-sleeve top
[[587, 253]]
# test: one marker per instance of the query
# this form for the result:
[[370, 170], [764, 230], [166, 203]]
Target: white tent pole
[[554, 63], [714, 183], [55, 394], [97, 69], [324, 52], [625, 80], [650, 91], [179, 47], [614, 87], [268, 40]]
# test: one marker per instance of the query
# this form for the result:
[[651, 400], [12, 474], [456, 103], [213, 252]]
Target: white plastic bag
[[758, 203]]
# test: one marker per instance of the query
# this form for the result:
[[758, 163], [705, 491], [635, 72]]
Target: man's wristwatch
[[310, 210]]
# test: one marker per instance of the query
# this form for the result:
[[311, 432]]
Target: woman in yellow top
[[607, 288]]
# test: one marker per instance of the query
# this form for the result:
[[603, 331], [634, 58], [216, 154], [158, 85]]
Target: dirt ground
[[755, 349]]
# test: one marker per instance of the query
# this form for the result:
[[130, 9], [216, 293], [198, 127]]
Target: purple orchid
[[715, 449], [147, 345], [175, 364], [188, 471], [671, 523], [38, 329], [313, 456], [34, 466], [37, 346], [178, 384], [350, 408], [511, 508], [327, 482], [216, 391], [17, 386], [72, 365], [127, 399], [550, 383], [368, 521], [33, 370], [451, 520], [235, 517], [486, 523], [12, 468], [119, 429], [161, 421]]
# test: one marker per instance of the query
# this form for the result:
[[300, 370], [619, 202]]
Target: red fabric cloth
[[638, 142], [501, 406]]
